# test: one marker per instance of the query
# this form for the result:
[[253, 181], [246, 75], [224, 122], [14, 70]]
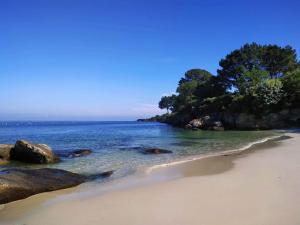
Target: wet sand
[[260, 186]]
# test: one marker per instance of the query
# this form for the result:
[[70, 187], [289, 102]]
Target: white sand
[[258, 188]]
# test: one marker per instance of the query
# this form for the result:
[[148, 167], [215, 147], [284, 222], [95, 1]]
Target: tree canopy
[[254, 79], [270, 61]]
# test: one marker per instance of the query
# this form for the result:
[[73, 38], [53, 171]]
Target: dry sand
[[260, 187]]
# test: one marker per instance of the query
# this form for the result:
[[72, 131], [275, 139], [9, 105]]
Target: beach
[[259, 186]]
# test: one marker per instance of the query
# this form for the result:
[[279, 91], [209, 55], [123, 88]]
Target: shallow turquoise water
[[112, 143]]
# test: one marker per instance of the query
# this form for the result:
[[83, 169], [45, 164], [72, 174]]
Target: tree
[[198, 75], [167, 102], [291, 86], [253, 59], [187, 87], [238, 62], [255, 79], [247, 83], [277, 60], [269, 92]]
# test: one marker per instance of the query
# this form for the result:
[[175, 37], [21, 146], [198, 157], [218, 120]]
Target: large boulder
[[205, 123], [25, 151], [18, 184], [5, 150], [195, 124]]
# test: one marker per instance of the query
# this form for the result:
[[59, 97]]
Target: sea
[[115, 144]]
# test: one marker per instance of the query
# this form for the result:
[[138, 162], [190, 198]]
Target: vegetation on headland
[[253, 82]]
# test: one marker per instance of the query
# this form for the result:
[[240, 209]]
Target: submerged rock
[[80, 152], [146, 150], [18, 184], [74, 153], [25, 151], [5, 150], [155, 151]]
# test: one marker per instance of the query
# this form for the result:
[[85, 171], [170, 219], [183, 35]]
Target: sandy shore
[[260, 187]]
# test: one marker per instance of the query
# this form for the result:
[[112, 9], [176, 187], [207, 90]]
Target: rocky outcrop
[[195, 124], [25, 151], [18, 184], [244, 121], [205, 123]]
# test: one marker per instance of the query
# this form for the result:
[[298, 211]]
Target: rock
[[195, 123], [205, 123], [5, 150], [216, 126], [155, 151], [18, 184], [74, 153], [101, 175], [25, 151], [147, 150], [3, 162], [294, 117], [188, 126], [80, 152]]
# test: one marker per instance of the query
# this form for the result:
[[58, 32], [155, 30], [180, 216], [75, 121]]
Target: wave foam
[[227, 152]]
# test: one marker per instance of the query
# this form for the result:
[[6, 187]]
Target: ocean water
[[113, 143]]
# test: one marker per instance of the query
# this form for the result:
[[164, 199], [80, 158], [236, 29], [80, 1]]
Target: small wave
[[227, 152]]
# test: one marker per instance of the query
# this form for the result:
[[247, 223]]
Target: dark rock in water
[[100, 175], [145, 150], [80, 152], [155, 151], [74, 153], [25, 151], [5, 150], [18, 184]]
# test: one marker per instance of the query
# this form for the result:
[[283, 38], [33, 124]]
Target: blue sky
[[114, 59]]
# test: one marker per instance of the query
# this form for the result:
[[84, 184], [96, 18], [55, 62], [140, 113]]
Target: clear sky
[[114, 59]]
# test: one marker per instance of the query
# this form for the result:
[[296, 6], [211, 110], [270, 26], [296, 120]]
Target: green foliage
[[274, 60], [291, 86], [255, 79], [240, 61], [250, 80], [167, 102], [277, 60], [187, 88], [195, 75], [269, 92]]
